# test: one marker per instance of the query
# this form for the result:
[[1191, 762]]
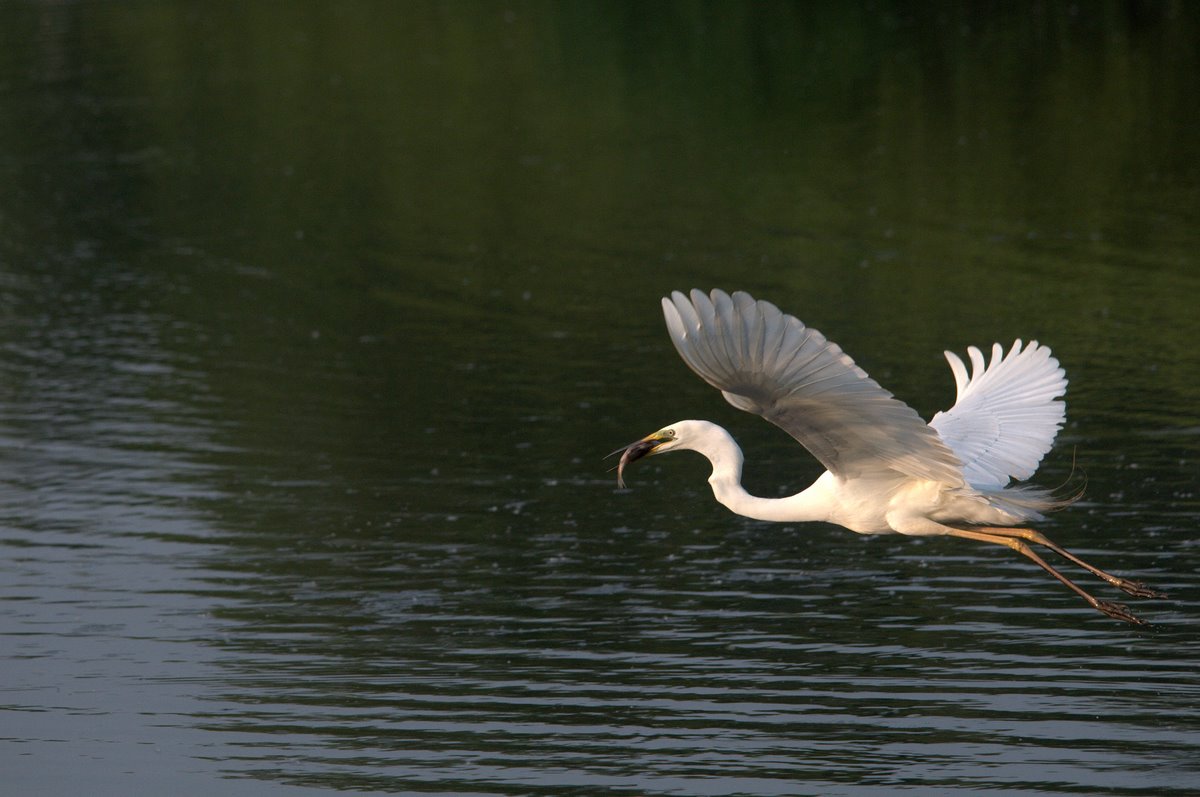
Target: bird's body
[[876, 503], [887, 470]]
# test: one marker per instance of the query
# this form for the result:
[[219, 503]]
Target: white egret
[[887, 470]]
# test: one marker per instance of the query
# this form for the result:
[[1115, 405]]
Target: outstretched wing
[[1006, 415], [769, 363]]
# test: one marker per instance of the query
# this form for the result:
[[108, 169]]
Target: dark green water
[[316, 320]]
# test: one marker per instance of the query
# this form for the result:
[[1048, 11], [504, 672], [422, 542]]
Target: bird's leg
[[1114, 610], [1135, 588]]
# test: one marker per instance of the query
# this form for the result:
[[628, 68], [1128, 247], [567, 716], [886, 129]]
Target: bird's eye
[[669, 433]]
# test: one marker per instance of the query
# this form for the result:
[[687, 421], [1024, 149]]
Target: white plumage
[[887, 470], [769, 363], [1006, 415]]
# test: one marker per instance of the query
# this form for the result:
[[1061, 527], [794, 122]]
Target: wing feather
[[1006, 414], [771, 364]]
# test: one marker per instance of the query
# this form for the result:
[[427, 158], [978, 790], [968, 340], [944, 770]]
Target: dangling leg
[[1135, 588], [1114, 610]]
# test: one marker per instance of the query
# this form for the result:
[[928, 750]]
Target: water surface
[[317, 320]]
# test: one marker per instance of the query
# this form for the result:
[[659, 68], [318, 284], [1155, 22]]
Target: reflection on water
[[313, 334]]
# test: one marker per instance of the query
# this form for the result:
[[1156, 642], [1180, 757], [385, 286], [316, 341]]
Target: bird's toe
[[1139, 590], [1119, 612]]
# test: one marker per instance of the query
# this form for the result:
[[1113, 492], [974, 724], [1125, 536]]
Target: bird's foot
[[1119, 612], [1139, 590]]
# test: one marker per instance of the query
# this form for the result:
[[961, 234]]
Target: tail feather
[[1027, 502]]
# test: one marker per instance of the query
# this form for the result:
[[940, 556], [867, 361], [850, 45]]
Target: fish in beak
[[636, 450]]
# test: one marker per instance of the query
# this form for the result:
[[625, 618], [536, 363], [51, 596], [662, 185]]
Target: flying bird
[[887, 471]]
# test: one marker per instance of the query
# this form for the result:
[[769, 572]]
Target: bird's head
[[677, 436]]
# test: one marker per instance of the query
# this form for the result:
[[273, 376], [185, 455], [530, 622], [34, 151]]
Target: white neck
[[726, 480]]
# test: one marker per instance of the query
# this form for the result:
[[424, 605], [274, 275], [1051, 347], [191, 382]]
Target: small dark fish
[[632, 452]]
